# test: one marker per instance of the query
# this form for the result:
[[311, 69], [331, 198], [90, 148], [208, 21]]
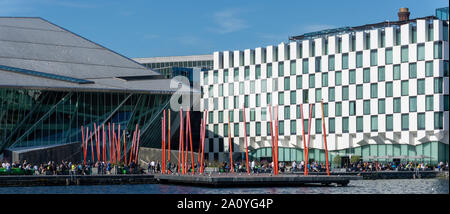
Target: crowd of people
[[68, 168], [395, 166]]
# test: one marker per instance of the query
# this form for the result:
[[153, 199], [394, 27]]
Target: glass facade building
[[52, 82]]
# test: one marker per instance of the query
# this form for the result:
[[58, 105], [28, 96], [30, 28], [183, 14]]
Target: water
[[397, 186]]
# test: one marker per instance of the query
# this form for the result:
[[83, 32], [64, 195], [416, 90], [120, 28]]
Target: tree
[[337, 160], [355, 159]]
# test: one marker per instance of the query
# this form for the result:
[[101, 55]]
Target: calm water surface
[[400, 186]]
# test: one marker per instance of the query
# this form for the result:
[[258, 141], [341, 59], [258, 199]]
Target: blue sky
[[146, 28]]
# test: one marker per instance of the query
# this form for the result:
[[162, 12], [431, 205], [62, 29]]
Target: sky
[[147, 28]]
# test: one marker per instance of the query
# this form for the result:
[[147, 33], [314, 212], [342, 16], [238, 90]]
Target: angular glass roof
[[45, 75]]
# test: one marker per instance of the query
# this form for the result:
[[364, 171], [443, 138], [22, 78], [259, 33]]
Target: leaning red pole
[[271, 133], [92, 147], [137, 147], [82, 140], [132, 147], [190, 142], [113, 143], [304, 140], [276, 141], [104, 143], [168, 135], [325, 139], [109, 138], [163, 141], [203, 139], [230, 145], [245, 138], [187, 143], [136, 143], [309, 131], [180, 142], [200, 140], [118, 145], [124, 147]]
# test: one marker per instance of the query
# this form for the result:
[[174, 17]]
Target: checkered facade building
[[385, 92]]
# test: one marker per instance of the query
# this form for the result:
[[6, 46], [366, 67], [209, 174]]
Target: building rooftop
[[35, 53], [341, 30], [206, 57]]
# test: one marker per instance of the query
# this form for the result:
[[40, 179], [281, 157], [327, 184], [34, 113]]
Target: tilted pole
[[304, 141], [276, 140], [309, 131], [110, 148], [137, 147], [124, 148], [230, 145], [203, 139], [245, 138], [325, 139], [169, 137], [118, 145], [271, 133], [190, 140], [82, 140]]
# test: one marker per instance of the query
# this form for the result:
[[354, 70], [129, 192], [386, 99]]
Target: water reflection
[[417, 186]]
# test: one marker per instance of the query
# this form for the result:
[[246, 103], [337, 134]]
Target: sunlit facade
[[385, 89]]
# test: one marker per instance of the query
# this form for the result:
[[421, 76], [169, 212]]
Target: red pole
[[86, 147], [304, 140], [169, 137], [187, 144], [136, 143], [96, 140], [109, 130], [203, 139], [230, 145], [132, 147], [137, 147], [163, 149], [190, 142], [104, 143], [271, 133], [162, 143], [276, 140], [180, 142], [325, 139], [245, 138], [309, 130], [114, 144], [92, 147], [118, 145], [124, 147], [200, 140], [82, 140]]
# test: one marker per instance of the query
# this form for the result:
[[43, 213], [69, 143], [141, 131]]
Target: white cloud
[[228, 21]]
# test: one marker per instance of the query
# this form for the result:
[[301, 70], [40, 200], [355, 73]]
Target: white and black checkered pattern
[[217, 92]]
